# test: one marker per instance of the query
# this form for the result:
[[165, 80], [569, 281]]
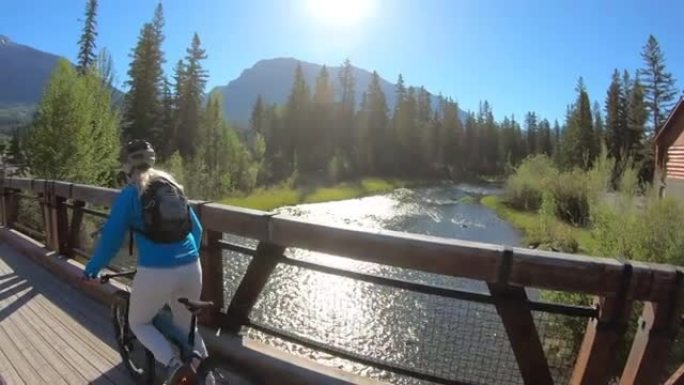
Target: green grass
[[284, 195], [528, 223]]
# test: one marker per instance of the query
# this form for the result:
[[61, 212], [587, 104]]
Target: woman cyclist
[[167, 269]]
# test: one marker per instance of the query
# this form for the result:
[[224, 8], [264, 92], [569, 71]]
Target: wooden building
[[669, 152]]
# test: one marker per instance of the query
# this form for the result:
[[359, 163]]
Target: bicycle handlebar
[[104, 278]]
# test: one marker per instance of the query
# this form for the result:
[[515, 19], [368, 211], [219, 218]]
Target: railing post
[[260, 268], [74, 240], [10, 208], [658, 327], [212, 273], [596, 357], [46, 204], [597, 353], [56, 219], [512, 306]]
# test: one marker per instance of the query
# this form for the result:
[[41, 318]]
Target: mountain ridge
[[273, 78], [24, 72]]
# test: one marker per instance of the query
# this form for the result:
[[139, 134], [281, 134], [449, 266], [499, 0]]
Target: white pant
[[152, 289]]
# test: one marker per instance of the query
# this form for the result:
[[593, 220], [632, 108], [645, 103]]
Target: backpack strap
[[130, 242]]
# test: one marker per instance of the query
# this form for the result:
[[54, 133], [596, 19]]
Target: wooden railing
[[617, 284]]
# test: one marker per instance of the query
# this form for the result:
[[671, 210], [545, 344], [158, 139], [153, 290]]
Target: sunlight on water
[[450, 338]]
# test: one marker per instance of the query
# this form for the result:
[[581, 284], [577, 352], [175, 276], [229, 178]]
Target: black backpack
[[165, 212]]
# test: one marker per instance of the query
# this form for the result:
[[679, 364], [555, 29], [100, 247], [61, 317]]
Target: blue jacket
[[126, 214]]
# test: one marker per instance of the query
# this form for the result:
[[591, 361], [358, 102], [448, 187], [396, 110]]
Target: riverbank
[[569, 238], [285, 195]]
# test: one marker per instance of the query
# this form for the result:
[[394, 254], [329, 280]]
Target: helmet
[[138, 154]]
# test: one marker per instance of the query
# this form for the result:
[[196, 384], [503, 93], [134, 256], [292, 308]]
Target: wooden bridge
[[53, 330]]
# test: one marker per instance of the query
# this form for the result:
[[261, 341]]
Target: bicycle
[[141, 363]]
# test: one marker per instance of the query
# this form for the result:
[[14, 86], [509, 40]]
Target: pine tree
[[378, 122], [143, 107], [297, 149], [489, 147], [322, 115], [220, 151], [256, 122], [345, 121], [544, 141], [86, 52], [104, 66], [579, 140], [74, 135], [556, 142], [167, 141], [452, 139], [614, 117], [158, 29], [193, 79], [658, 83], [531, 129], [599, 126], [639, 151], [407, 154]]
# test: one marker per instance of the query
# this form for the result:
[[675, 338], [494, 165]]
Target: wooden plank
[[8, 372], [80, 350], [60, 225], [19, 361], [39, 186], [63, 189], [90, 348], [430, 254], [255, 278], [58, 337], [243, 222], [45, 344], [601, 341], [20, 183], [212, 274], [512, 306], [32, 357], [41, 325], [75, 227], [84, 315], [10, 207], [658, 327], [94, 195], [80, 319]]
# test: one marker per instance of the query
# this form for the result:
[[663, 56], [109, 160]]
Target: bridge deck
[[50, 333]]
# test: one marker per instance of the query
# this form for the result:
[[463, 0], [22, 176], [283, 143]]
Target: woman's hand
[[88, 281]]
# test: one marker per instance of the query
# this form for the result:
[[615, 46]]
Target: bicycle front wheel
[[136, 358], [213, 371]]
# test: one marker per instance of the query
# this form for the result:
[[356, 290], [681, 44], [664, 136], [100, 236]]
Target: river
[[448, 338]]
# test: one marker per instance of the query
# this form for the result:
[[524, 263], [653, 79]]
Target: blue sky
[[520, 55]]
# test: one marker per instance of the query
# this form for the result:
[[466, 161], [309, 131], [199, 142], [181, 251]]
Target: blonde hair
[[143, 178]]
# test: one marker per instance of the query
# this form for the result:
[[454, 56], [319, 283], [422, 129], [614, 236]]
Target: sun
[[339, 12]]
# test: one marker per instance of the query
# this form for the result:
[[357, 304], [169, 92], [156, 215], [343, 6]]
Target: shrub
[[571, 194], [524, 189]]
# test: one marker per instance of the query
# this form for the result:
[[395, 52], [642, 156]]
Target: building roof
[[666, 131]]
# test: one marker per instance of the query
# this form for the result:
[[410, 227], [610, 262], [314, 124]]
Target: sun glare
[[340, 12]]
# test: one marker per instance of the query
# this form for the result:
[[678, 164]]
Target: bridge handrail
[[506, 270]]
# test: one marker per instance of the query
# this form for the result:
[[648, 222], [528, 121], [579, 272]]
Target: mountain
[[24, 71], [272, 79]]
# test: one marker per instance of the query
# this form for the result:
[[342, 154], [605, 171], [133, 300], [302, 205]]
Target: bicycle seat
[[196, 306]]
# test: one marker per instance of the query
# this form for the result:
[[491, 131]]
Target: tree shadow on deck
[[7, 310], [90, 314]]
